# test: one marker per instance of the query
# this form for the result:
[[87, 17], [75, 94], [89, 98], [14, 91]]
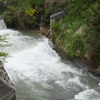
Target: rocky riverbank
[[7, 90], [80, 62]]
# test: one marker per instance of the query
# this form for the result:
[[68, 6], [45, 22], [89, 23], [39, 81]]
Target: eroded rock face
[[7, 90]]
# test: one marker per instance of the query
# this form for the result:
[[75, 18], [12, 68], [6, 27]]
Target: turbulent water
[[38, 72]]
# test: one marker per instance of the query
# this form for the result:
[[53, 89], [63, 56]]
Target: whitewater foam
[[88, 95]]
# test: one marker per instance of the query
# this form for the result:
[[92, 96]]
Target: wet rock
[[7, 90], [96, 71]]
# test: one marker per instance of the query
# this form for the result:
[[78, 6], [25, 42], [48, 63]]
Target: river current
[[39, 73]]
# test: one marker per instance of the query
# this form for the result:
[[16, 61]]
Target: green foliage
[[56, 27], [96, 7], [23, 13], [48, 10], [79, 32], [3, 39], [2, 45], [76, 46], [3, 54], [38, 2], [34, 2]]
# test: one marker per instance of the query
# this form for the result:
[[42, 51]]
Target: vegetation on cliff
[[23, 14], [78, 34]]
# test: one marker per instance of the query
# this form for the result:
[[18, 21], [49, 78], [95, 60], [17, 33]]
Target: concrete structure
[[7, 90], [56, 16]]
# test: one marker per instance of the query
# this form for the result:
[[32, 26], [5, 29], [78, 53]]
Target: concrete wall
[[7, 90]]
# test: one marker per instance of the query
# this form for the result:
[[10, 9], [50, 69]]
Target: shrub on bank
[[78, 34], [23, 14]]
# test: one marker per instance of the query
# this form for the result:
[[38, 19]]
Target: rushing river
[[39, 73]]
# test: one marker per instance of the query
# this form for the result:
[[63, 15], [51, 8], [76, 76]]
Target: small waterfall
[[2, 24]]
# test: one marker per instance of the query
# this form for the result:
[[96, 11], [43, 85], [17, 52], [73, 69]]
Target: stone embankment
[[7, 90]]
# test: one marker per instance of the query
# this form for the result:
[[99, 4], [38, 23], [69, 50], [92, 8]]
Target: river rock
[[7, 90]]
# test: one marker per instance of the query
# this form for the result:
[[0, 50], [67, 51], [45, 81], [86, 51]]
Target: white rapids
[[39, 73]]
